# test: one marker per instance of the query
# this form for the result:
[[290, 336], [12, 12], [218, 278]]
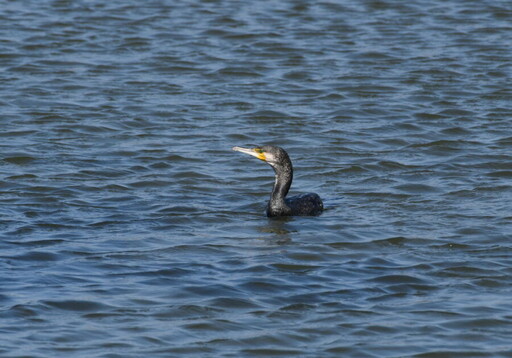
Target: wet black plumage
[[279, 205]]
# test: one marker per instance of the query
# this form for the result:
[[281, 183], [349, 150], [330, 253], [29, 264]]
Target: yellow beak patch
[[260, 154]]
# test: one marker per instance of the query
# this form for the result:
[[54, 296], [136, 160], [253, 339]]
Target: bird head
[[273, 155]]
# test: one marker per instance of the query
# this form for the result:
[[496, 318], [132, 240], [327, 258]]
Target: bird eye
[[258, 150]]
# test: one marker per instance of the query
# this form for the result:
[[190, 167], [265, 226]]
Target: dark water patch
[[149, 184], [236, 73], [394, 241], [298, 307], [440, 353], [193, 312], [468, 272], [496, 283], [17, 133], [264, 286], [37, 256], [232, 303], [214, 326], [472, 323], [298, 268], [77, 305], [500, 174], [38, 243], [272, 352], [19, 159], [398, 279], [453, 245], [416, 188]]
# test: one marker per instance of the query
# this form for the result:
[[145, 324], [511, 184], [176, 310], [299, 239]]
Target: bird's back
[[305, 204]]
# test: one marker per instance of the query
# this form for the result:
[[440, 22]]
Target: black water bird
[[278, 205]]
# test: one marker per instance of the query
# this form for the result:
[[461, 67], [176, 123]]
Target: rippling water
[[129, 228]]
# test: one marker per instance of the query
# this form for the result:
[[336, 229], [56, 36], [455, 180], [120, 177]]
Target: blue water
[[129, 228]]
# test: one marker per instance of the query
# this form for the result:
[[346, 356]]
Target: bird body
[[278, 205]]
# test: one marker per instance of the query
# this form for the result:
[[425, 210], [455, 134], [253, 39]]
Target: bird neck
[[283, 181]]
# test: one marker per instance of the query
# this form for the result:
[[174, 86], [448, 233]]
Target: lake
[[129, 228]]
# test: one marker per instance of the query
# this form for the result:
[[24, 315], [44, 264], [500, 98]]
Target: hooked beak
[[255, 152]]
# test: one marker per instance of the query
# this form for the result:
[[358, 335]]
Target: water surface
[[129, 228]]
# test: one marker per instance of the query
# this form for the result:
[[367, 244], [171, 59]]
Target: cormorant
[[279, 205]]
